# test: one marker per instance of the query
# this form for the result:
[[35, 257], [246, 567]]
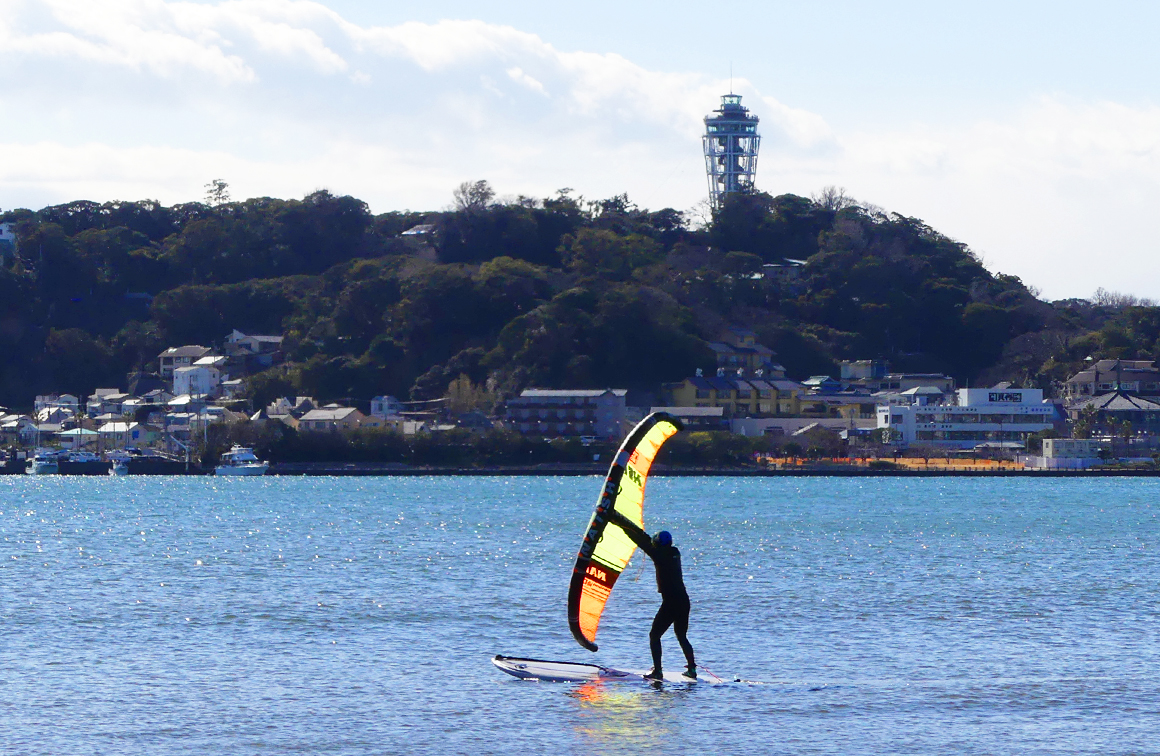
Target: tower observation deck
[[731, 141]]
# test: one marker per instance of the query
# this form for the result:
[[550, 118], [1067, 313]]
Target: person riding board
[[674, 610]]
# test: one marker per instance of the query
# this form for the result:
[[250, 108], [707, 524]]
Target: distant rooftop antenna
[[731, 142]]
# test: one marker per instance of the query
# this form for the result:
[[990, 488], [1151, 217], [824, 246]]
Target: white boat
[[240, 460], [45, 462]]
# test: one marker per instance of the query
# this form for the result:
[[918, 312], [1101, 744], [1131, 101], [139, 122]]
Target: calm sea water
[[358, 616]]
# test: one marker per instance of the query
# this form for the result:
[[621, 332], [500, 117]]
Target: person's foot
[[656, 674], [691, 672]]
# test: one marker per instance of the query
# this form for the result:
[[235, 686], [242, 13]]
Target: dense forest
[[553, 292]]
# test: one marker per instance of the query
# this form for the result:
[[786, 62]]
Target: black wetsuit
[[675, 606]]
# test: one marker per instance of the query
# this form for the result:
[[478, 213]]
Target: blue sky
[[1029, 131]]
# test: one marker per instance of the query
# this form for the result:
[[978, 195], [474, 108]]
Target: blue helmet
[[663, 538]]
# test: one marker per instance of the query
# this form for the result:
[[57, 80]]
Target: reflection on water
[[629, 716]]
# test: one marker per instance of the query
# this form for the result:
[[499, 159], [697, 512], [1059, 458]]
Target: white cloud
[[516, 74], [113, 99]]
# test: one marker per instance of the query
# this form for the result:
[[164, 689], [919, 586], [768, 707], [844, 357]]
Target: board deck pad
[[559, 671]]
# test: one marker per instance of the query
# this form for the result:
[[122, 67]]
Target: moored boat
[[240, 460], [135, 461], [44, 462]]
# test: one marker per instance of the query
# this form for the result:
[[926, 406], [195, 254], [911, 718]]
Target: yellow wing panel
[[605, 552]]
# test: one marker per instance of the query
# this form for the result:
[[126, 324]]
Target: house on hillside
[[177, 357], [67, 402], [821, 384], [254, 343], [105, 402], [386, 406], [737, 348], [297, 408], [253, 353], [59, 415], [331, 419], [1137, 377], [196, 380], [17, 429]]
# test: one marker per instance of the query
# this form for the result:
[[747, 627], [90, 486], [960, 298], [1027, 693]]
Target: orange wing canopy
[[606, 548]]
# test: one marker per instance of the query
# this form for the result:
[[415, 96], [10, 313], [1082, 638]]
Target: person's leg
[[660, 624], [680, 629]]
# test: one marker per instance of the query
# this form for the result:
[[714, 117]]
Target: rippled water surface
[[358, 616]]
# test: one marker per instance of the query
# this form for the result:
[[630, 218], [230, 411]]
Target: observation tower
[[731, 142]]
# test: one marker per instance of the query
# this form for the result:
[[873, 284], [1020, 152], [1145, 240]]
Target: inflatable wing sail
[[606, 550]]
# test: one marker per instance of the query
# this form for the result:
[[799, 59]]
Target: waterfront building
[[602, 413], [1142, 413], [993, 416], [737, 395], [332, 418]]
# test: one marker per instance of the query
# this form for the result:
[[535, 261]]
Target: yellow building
[[737, 396]]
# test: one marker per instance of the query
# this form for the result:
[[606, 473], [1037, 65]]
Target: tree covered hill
[[554, 292]]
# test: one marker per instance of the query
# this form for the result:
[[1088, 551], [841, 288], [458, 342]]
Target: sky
[[1029, 131]]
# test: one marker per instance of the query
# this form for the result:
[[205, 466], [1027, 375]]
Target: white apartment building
[[981, 416], [199, 380]]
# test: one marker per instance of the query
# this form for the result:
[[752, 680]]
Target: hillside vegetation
[[558, 292]]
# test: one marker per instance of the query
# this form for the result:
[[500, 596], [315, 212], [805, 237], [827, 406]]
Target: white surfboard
[[558, 671]]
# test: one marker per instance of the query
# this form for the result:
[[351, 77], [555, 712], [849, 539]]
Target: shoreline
[[367, 469], [353, 469]]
